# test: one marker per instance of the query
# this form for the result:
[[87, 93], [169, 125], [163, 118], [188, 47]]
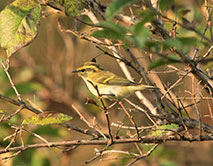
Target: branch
[[36, 111], [195, 69], [6, 68], [148, 140], [20, 103]]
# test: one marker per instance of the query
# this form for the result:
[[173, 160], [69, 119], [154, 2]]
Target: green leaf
[[163, 129], [73, 7], [3, 78], [163, 61], [114, 27], [106, 33], [154, 46], [140, 34], [173, 42], [182, 12], [111, 31], [147, 15], [40, 159], [18, 24], [187, 41], [138, 27], [114, 7], [47, 130], [47, 118], [168, 163], [165, 4]]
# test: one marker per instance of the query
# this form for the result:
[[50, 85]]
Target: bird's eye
[[83, 70]]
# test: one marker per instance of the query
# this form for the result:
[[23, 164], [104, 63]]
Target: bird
[[103, 83]]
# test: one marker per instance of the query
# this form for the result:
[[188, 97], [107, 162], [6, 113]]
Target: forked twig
[[177, 82], [11, 156], [142, 110], [131, 119], [144, 155], [88, 124], [13, 138]]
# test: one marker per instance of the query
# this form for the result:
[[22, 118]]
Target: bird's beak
[[75, 71]]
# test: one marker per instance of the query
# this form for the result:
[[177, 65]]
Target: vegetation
[[49, 117]]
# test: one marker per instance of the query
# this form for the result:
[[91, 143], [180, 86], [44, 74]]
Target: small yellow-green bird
[[108, 84]]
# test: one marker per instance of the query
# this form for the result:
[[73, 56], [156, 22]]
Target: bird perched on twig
[[103, 83]]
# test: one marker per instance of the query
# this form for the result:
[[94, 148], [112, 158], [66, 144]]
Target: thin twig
[[184, 107], [36, 135], [120, 152], [138, 148], [13, 114], [195, 97], [142, 110], [132, 128], [131, 119], [13, 138], [204, 56], [88, 124], [11, 81], [98, 153], [82, 36], [144, 155], [188, 27], [177, 82], [19, 103], [181, 117], [11, 156], [196, 107]]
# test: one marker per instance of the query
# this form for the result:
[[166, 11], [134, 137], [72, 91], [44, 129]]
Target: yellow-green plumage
[[108, 84]]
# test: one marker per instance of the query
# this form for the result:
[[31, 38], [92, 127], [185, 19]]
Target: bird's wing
[[109, 78]]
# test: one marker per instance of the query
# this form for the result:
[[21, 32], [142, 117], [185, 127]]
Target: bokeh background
[[42, 72]]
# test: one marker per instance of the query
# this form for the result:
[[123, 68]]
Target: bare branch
[[149, 140], [11, 81]]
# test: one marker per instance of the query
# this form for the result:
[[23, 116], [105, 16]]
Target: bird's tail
[[143, 87]]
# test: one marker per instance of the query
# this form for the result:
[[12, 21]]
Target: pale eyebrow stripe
[[89, 67]]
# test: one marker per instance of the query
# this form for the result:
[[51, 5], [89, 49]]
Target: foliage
[[18, 24], [115, 7], [167, 44], [47, 118], [163, 129], [74, 7]]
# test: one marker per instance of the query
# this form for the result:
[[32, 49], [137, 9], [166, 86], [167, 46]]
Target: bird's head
[[88, 68]]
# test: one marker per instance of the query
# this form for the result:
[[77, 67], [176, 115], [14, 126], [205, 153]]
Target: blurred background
[[42, 73]]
